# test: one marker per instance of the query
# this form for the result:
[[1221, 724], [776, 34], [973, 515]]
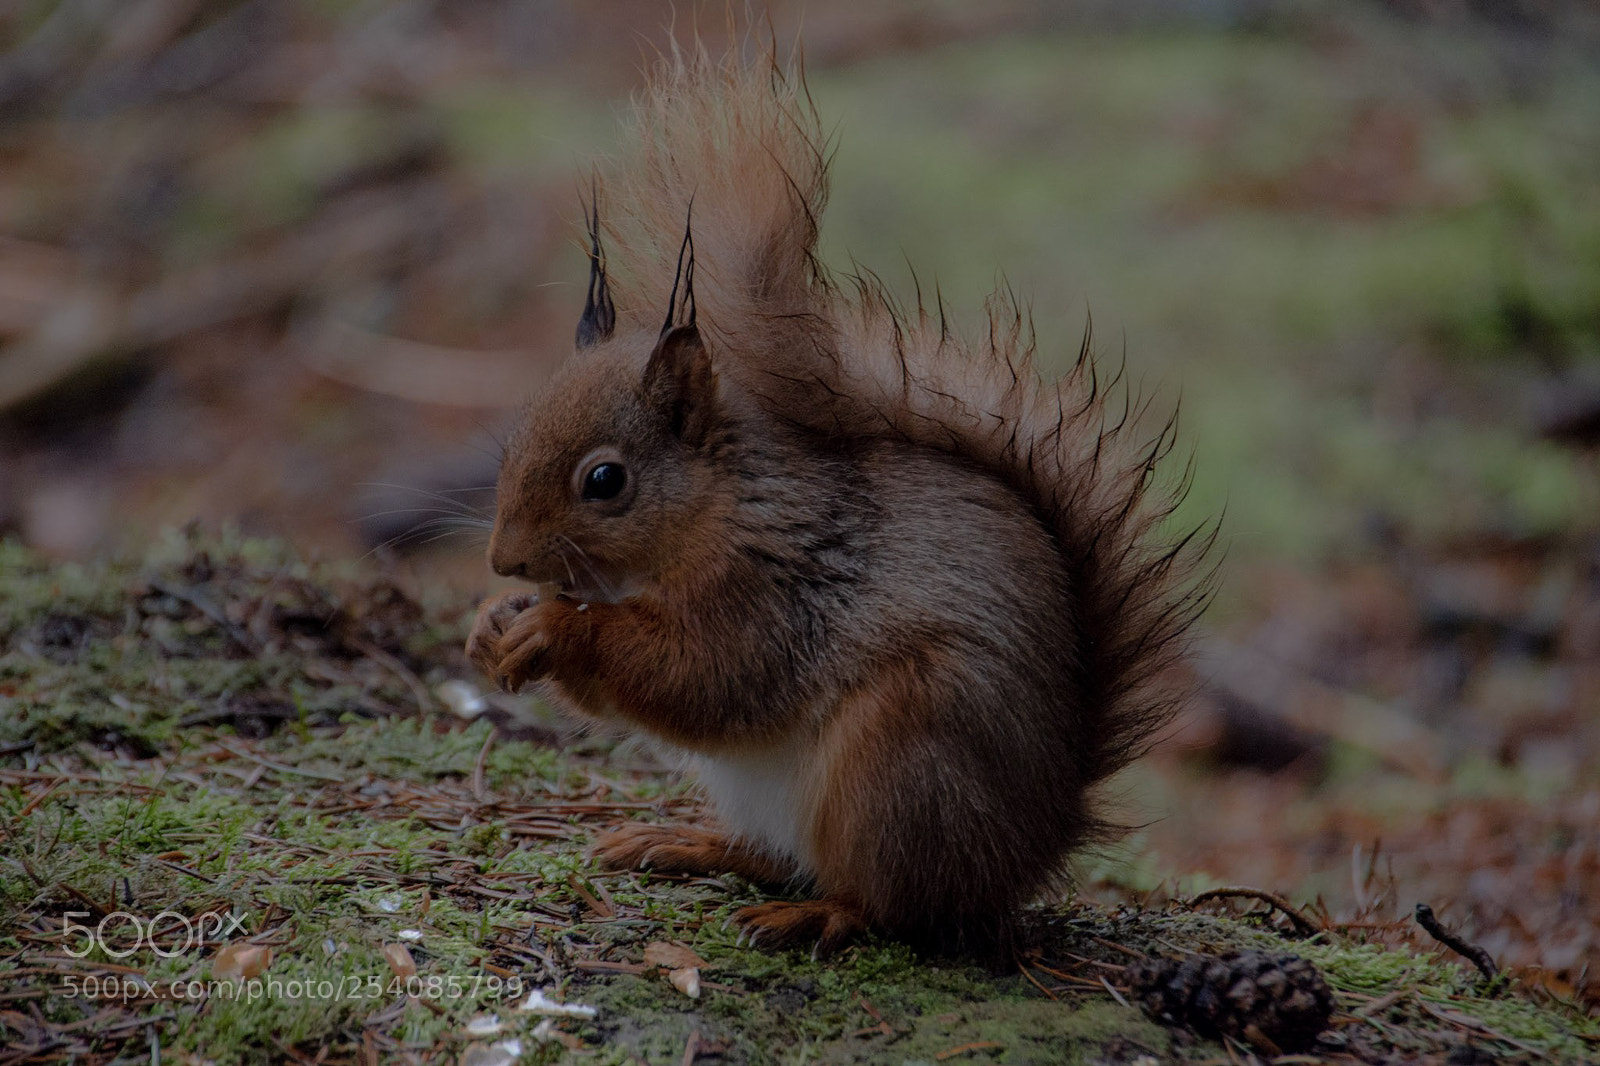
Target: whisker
[[561, 553], [385, 546], [472, 519], [605, 587], [449, 533], [464, 525], [438, 497], [439, 527]]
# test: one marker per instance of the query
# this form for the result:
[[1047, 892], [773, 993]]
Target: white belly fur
[[767, 798]]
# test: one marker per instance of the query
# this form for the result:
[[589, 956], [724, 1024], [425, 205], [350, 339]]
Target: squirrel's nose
[[503, 562]]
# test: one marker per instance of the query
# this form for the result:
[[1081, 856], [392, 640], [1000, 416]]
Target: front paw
[[494, 616], [524, 651]]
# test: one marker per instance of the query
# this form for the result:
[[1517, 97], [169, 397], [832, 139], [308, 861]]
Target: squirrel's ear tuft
[[680, 383], [599, 316]]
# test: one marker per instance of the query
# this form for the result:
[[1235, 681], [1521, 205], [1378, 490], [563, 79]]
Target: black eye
[[604, 481]]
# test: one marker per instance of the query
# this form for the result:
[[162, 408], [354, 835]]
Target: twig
[[93, 779], [278, 766], [1113, 990], [883, 1025], [1382, 1003], [33, 804], [1456, 943], [1035, 981], [981, 1045], [89, 901], [1301, 923], [1085, 960], [477, 766], [407, 677], [691, 1050], [194, 599], [600, 909], [1473, 1025], [196, 874], [28, 869], [606, 966], [1125, 949]]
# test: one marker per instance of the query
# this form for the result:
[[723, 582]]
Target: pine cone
[[1244, 994]]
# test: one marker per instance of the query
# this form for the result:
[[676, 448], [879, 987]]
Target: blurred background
[[291, 265]]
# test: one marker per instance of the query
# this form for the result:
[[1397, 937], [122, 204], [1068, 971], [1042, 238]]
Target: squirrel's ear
[[680, 383], [599, 316]]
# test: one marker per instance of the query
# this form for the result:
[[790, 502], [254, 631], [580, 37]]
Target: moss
[[804, 1021], [352, 821]]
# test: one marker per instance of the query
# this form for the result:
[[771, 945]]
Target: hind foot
[[826, 924], [683, 849]]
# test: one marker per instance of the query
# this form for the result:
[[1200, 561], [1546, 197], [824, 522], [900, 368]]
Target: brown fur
[[683, 849], [900, 601]]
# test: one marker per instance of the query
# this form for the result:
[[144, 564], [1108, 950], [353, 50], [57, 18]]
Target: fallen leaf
[[241, 960], [503, 1053], [537, 1003], [400, 961], [671, 956]]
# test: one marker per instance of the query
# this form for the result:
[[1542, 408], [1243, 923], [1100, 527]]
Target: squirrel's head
[[610, 467]]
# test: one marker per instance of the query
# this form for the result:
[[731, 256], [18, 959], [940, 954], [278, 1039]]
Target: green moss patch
[[216, 745]]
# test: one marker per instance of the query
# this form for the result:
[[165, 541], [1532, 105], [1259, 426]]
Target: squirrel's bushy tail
[[735, 154], [841, 359]]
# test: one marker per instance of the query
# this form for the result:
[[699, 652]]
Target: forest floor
[[218, 760], [279, 263]]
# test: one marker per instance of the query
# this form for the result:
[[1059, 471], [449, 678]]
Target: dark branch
[[1456, 943]]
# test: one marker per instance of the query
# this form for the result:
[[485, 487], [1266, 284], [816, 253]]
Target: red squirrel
[[898, 602]]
